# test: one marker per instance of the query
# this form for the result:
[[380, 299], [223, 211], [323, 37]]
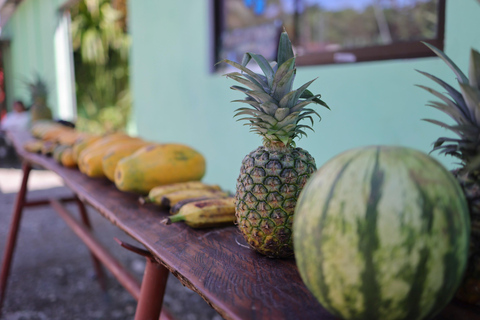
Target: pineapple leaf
[[281, 113], [269, 108], [474, 69], [473, 164], [290, 99], [264, 65], [472, 98], [453, 110], [269, 119], [257, 77], [260, 96], [284, 85], [283, 79], [285, 51], [454, 93], [307, 94], [238, 77], [446, 109], [285, 140], [291, 118], [460, 75], [241, 89], [254, 104], [441, 140], [300, 106]]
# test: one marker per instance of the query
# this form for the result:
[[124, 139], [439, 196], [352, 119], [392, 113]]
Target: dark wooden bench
[[215, 263]]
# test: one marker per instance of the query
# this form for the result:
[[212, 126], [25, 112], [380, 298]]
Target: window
[[329, 31]]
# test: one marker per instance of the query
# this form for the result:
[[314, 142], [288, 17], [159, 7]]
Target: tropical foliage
[[101, 46]]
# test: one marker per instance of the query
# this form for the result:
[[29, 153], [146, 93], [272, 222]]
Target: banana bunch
[[206, 213], [34, 146], [169, 194]]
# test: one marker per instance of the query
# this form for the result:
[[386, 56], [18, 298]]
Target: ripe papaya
[[67, 158], [90, 160], [57, 152], [68, 138], [83, 143], [156, 165], [117, 152]]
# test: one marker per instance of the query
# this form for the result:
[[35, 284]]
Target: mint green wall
[[31, 31], [176, 99]]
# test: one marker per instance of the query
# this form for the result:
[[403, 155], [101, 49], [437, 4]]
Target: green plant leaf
[[265, 66], [472, 98], [460, 75], [285, 51], [289, 100], [257, 77], [474, 69]]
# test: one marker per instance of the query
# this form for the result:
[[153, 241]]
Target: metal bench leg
[[12, 235], [96, 263], [153, 287], [154, 282]]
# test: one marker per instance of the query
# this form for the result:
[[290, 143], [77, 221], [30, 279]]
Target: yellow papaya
[[156, 165], [55, 132], [90, 160], [67, 158], [68, 138], [117, 152], [57, 152], [83, 143]]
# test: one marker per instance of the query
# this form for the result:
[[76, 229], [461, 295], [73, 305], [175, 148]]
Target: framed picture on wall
[[329, 31]]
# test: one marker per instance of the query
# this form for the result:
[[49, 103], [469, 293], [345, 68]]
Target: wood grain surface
[[216, 263]]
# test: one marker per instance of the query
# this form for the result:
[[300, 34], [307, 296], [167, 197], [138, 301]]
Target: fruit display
[[90, 161], [463, 106], [82, 143], [116, 153], [206, 213], [272, 176], [66, 159], [34, 146], [172, 198], [157, 193], [382, 233], [157, 165]]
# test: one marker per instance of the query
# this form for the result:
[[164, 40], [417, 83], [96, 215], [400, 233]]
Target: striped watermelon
[[382, 233]]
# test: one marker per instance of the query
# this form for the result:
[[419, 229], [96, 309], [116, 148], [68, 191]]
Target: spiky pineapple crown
[[462, 106], [275, 109], [38, 90]]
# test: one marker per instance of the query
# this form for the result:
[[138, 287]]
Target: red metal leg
[[151, 293], [96, 263], [12, 235], [154, 282]]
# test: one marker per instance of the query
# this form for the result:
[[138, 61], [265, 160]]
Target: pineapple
[[464, 107], [272, 176], [38, 95]]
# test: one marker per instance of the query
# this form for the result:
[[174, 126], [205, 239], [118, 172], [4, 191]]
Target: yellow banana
[[155, 195], [33, 146], [175, 208], [206, 213], [171, 199]]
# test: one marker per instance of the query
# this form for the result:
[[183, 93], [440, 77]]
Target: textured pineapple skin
[[469, 291], [267, 191]]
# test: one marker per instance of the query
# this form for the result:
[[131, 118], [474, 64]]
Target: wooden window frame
[[397, 50]]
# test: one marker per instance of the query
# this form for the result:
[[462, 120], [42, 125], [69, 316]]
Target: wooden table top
[[215, 263]]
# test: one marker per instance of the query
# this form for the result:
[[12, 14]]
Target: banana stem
[[176, 218]]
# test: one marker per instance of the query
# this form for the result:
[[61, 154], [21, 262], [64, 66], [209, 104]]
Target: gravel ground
[[52, 275]]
